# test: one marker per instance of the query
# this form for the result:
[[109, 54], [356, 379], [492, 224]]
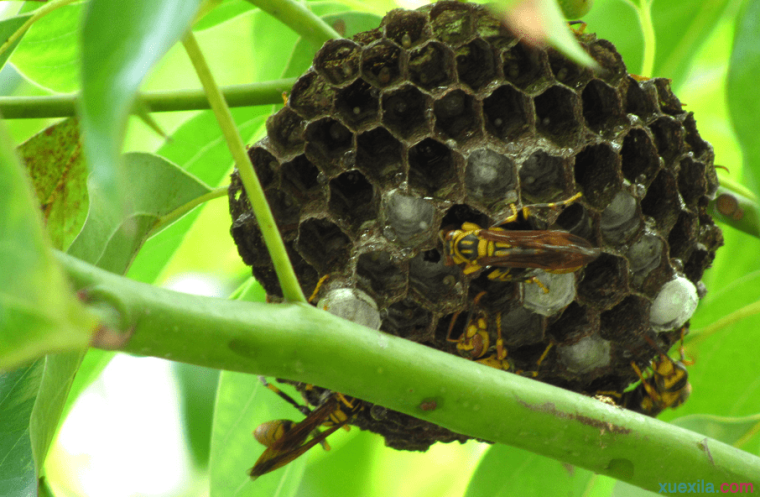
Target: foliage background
[[140, 414]]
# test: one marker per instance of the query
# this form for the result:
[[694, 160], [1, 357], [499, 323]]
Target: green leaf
[[229, 9], [243, 403], [199, 148], [38, 311], [198, 388], [7, 28], [114, 63], [49, 52], [508, 471], [55, 163], [742, 87], [31, 402], [155, 188]]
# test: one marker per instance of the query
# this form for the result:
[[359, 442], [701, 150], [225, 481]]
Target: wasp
[[475, 248], [286, 440], [669, 385], [475, 340]]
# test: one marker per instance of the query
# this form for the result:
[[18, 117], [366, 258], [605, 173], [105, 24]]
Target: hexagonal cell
[[405, 27], [493, 30], [682, 236], [524, 66], [638, 101], [366, 37], [521, 327], [490, 176], [434, 282], [452, 22], [668, 137], [264, 164], [381, 275], [338, 61], [669, 103], [576, 220], [640, 159], [457, 115], [542, 177], [613, 67], [358, 104], [409, 320], [300, 178], [605, 281], [556, 114], [575, 322], [662, 202], [311, 96], [379, 155], [597, 174], [330, 145], [323, 245], [561, 292], [381, 64], [628, 319], [590, 353], [404, 112], [433, 168], [695, 267], [693, 139], [461, 213], [621, 219], [284, 208], [566, 71], [508, 113], [431, 66], [644, 256], [286, 130], [692, 182], [476, 64], [602, 108], [407, 216], [352, 198]]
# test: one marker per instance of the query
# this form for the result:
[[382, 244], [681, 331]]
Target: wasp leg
[[537, 282], [303, 409], [650, 390], [318, 287], [501, 351], [581, 27], [499, 274], [682, 350], [551, 205]]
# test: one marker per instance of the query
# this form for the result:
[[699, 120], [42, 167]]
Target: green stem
[[647, 28], [36, 16], [300, 19], [299, 342], [291, 289], [184, 209], [247, 95]]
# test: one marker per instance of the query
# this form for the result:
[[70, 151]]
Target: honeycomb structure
[[441, 116]]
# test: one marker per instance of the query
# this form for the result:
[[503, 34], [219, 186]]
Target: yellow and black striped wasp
[[668, 385], [475, 248], [286, 440]]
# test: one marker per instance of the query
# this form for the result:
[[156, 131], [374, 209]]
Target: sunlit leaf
[[49, 52], [508, 471], [742, 87], [7, 28], [155, 187], [114, 63], [199, 148], [55, 163]]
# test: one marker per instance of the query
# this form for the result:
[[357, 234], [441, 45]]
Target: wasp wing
[[541, 249]]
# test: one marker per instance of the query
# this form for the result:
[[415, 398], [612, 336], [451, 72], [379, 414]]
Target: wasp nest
[[439, 117]]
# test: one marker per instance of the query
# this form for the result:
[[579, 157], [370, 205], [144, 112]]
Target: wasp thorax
[[441, 121]]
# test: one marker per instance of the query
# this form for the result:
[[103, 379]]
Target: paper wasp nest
[[439, 117]]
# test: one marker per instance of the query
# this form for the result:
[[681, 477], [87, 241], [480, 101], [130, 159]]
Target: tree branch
[[298, 342]]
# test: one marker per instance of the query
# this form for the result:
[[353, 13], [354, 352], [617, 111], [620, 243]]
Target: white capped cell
[[409, 216], [561, 292], [619, 219], [674, 305], [588, 354], [489, 174], [353, 305]]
